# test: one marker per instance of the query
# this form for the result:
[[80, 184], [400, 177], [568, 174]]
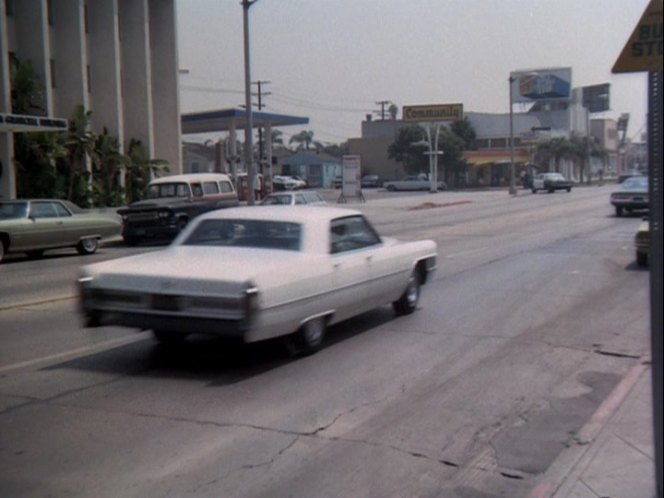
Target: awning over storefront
[[488, 157], [227, 119], [19, 123]]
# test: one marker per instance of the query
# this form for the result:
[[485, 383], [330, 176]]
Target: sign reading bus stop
[[643, 51]]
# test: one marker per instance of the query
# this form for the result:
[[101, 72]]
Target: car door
[[351, 249], [46, 229]]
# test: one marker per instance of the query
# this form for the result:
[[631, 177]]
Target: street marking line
[[113, 343]]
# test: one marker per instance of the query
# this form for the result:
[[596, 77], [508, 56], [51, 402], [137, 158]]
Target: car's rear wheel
[[641, 259], [308, 339], [407, 303], [88, 245], [619, 211], [2, 250], [391, 188], [534, 190]]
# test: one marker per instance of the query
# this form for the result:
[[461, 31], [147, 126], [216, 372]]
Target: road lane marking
[[95, 348]]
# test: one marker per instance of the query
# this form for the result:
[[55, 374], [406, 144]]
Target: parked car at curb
[[219, 277], [173, 201], [412, 182], [370, 181], [308, 197], [281, 182], [32, 226], [550, 182], [632, 195], [642, 243]]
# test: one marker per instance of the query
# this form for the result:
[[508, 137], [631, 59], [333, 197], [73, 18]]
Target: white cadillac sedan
[[258, 273]]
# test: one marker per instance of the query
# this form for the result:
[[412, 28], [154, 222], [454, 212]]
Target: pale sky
[[333, 60]]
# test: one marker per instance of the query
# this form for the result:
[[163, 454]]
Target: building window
[[51, 66], [49, 12], [13, 60], [85, 18]]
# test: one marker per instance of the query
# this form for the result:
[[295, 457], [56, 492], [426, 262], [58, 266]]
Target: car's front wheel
[[407, 303], [641, 259], [88, 245], [619, 211]]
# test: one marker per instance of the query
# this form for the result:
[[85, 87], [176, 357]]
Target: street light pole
[[249, 122], [512, 189]]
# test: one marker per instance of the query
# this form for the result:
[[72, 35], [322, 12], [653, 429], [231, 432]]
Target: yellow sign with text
[[643, 51], [434, 112]]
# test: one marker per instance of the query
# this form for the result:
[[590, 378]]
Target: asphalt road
[[536, 312]]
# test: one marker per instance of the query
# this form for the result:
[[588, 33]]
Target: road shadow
[[216, 361]]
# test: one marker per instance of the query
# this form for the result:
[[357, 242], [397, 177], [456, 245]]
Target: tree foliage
[[27, 95], [409, 150], [304, 140], [78, 165]]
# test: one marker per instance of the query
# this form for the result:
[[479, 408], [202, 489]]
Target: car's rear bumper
[[631, 204], [169, 323]]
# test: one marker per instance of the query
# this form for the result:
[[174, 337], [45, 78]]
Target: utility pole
[[259, 84], [383, 104], [249, 124]]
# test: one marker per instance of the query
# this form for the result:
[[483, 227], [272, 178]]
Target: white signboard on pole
[[351, 185]]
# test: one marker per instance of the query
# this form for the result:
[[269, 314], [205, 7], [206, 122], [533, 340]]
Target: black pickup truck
[[172, 201]]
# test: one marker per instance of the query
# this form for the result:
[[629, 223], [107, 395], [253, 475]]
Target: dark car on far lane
[[632, 195], [550, 182]]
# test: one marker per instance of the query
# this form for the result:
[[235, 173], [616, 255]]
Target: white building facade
[[116, 58]]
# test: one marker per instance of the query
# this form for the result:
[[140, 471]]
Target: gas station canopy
[[227, 119]]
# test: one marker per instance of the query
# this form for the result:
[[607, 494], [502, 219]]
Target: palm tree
[[276, 137], [306, 138], [556, 148], [80, 144], [36, 156], [140, 169], [107, 164]]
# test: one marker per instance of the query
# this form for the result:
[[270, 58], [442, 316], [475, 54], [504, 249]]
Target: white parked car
[[220, 277], [293, 199], [281, 182], [412, 182]]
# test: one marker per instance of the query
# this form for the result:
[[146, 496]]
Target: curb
[[562, 467]]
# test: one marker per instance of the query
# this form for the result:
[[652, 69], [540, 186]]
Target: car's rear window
[[635, 182], [260, 234], [13, 210], [162, 190]]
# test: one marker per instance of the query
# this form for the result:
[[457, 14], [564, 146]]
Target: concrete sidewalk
[[615, 455]]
